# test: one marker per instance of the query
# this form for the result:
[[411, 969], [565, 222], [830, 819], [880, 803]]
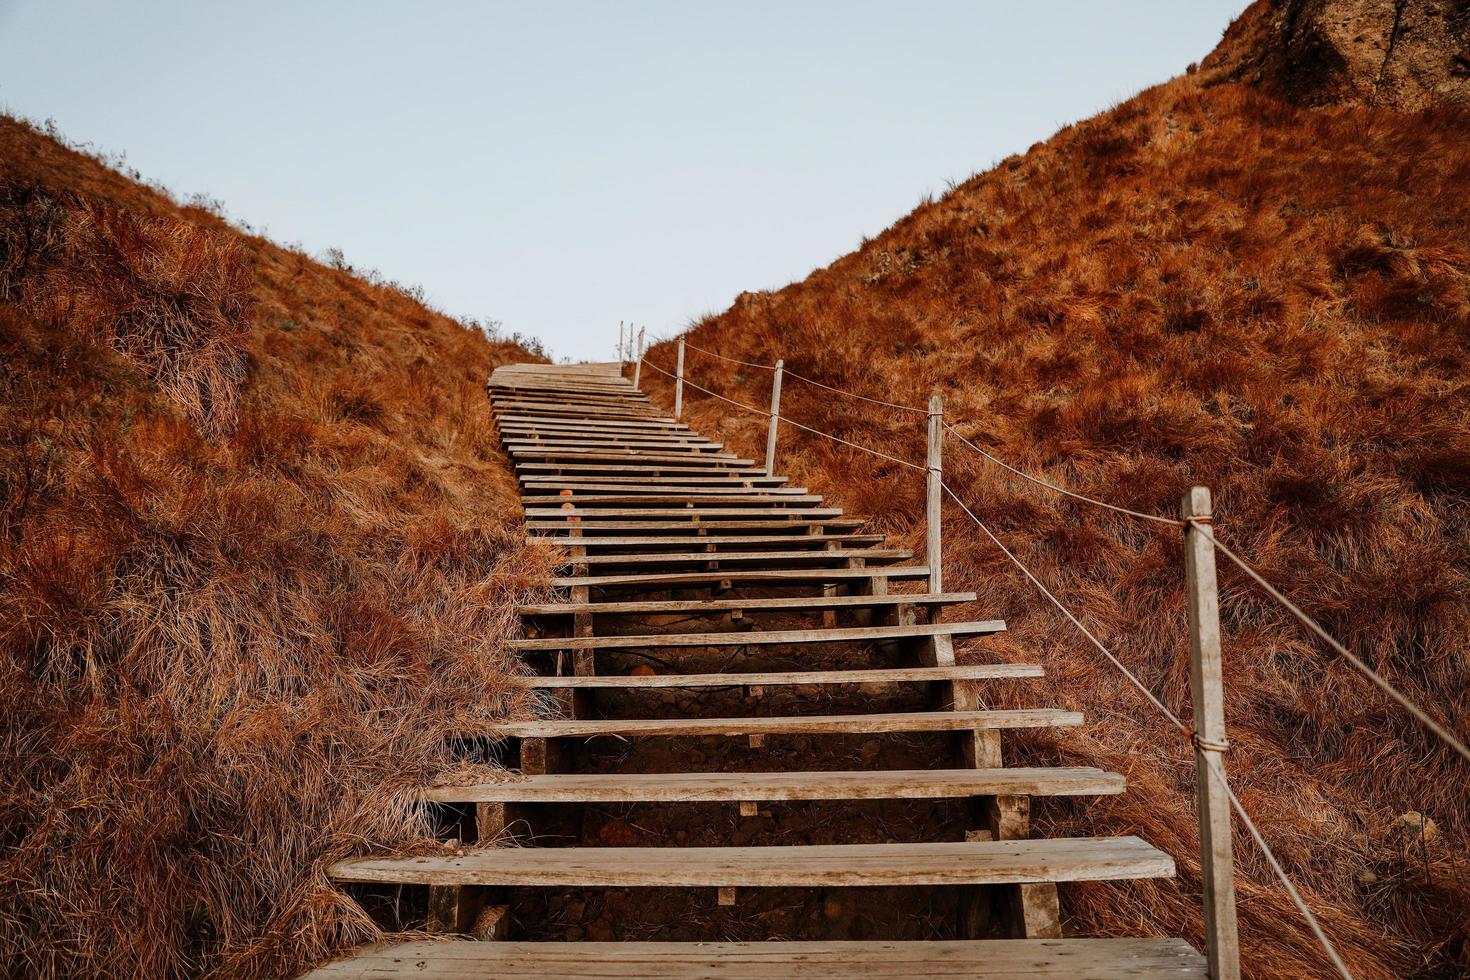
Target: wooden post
[[638, 367], [620, 346], [1217, 859], [775, 418], [935, 490], [679, 382]]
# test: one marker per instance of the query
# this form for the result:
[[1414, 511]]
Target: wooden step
[[774, 509], [788, 604], [763, 787], [790, 678], [555, 489], [848, 634], [648, 580], [652, 469], [685, 499], [685, 542], [552, 480], [597, 425], [873, 556], [632, 456], [684, 527], [1034, 959], [516, 445], [902, 721], [804, 866]]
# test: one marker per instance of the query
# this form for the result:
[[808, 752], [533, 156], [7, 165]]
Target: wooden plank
[[910, 721], [572, 456], [516, 445], [766, 678], [735, 787], [737, 491], [593, 425], [853, 634], [562, 469], [651, 579], [714, 606], [776, 508], [749, 523], [716, 541], [552, 480], [872, 555], [1062, 959], [702, 500], [808, 866]]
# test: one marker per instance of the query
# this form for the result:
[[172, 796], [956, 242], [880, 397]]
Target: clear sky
[[561, 166]]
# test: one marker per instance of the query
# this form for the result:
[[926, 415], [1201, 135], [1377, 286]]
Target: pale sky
[[561, 166]]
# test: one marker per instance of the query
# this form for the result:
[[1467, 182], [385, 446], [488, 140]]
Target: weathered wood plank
[[734, 787], [773, 678], [851, 634], [911, 721], [766, 604], [812, 866], [1063, 959]]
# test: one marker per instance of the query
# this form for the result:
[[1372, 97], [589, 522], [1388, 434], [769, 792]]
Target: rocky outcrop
[[1403, 54]]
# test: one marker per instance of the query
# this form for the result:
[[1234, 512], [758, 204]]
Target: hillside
[[258, 553], [1215, 282]]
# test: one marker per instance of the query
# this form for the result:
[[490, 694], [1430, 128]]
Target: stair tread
[[789, 678], [655, 606], [900, 784], [744, 575], [1035, 959], [776, 866], [673, 557], [903, 721], [841, 634]]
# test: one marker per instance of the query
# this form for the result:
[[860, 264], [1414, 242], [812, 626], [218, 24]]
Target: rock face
[[1403, 54]]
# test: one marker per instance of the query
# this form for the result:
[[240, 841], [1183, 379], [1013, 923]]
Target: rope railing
[[1376, 678], [1185, 730], [1062, 490], [1204, 629], [806, 428]]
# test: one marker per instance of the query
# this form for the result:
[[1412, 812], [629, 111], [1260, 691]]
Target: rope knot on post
[[1209, 745]]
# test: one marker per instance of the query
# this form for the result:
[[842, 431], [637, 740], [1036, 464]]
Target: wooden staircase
[[664, 529]]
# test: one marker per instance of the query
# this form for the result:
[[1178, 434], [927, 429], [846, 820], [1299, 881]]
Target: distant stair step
[[1034, 959], [790, 678], [925, 600], [875, 555], [845, 634], [796, 866], [774, 521], [903, 721], [733, 575], [687, 541], [735, 787]]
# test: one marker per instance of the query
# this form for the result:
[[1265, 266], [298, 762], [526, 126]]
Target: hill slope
[[1207, 284], [258, 551]]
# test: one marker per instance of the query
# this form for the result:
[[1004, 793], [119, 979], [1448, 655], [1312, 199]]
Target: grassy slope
[[1203, 285], [258, 554]]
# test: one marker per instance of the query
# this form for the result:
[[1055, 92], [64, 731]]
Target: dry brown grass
[[1203, 285], [259, 553]]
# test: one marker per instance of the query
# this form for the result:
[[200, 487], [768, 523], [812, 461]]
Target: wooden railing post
[[935, 490], [1217, 857], [620, 346], [775, 418], [679, 382], [638, 366]]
